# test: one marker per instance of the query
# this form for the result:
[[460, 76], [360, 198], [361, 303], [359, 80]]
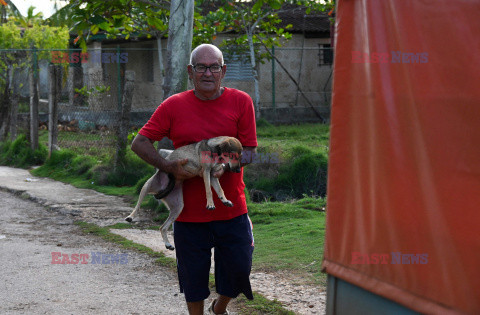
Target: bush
[[19, 154], [303, 173]]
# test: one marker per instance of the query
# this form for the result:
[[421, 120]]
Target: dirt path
[[90, 206], [295, 296], [32, 284]]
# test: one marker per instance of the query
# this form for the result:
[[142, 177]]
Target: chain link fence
[[91, 90]]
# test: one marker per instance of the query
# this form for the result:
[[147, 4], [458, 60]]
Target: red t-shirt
[[186, 119]]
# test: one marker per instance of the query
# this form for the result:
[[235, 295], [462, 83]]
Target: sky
[[44, 6]]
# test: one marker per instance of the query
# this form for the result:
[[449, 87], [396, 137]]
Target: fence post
[[14, 108], [54, 74], [273, 82], [34, 101], [124, 121]]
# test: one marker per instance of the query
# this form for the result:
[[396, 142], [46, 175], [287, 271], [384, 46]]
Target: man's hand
[[176, 169], [144, 148]]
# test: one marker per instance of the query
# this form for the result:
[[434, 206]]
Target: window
[[325, 54], [239, 67]]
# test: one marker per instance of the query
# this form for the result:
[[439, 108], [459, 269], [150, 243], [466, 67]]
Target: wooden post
[[124, 121], [14, 107], [34, 102], [54, 76]]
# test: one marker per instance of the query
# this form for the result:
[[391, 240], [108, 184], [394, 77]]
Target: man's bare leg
[[221, 304], [195, 308]]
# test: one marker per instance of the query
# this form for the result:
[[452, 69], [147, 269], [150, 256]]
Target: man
[[207, 111]]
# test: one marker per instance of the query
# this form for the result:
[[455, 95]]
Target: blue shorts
[[233, 245]]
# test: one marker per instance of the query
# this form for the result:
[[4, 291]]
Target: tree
[[147, 18], [252, 25], [23, 41]]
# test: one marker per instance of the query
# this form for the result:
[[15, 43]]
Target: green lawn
[[289, 236]]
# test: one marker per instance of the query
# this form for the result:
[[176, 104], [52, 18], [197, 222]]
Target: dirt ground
[[32, 284], [30, 236]]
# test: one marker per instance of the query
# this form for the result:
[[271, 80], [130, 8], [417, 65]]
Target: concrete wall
[[300, 56]]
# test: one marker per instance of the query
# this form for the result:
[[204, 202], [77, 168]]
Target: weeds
[[19, 154]]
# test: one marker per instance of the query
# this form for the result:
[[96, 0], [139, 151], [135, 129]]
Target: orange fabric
[[404, 173]]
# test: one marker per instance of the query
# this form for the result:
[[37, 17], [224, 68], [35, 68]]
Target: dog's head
[[229, 151]]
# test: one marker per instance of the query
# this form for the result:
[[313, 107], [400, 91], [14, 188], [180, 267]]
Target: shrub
[[303, 172], [19, 154]]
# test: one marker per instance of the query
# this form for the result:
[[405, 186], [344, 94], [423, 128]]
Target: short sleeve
[[158, 126]]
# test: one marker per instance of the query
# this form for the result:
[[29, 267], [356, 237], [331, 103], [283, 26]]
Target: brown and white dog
[[204, 159]]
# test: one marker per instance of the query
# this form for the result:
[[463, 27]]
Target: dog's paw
[[129, 219], [210, 207], [228, 203], [170, 247]]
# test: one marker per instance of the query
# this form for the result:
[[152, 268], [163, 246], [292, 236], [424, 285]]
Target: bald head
[[206, 50]]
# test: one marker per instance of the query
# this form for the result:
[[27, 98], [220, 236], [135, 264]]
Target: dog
[[204, 159]]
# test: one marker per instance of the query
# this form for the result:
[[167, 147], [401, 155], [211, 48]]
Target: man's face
[[207, 83]]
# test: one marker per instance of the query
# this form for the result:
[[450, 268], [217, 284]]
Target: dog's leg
[[145, 190], [218, 189], [153, 185], [208, 189], [174, 202]]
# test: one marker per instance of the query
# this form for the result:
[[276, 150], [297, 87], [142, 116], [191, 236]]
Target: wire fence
[[91, 89]]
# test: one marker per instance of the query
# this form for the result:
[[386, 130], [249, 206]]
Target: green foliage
[[92, 91], [289, 235], [19, 154], [250, 23], [262, 122], [66, 163], [304, 173], [129, 173], [118, 18]]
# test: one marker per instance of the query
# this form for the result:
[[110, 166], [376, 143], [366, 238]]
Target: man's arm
[[143, 147]]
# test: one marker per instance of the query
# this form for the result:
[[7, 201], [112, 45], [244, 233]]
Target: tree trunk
[[124, 121], [179, 46], [13, 116], [54, 77], [5, 104], [33, 108]]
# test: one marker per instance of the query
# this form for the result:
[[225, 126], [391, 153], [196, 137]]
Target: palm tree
[[7, 5], [29, 20]]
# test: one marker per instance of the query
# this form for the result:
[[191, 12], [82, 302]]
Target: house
[[307, 57]]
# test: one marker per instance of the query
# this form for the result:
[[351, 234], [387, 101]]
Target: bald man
[[207, 111]]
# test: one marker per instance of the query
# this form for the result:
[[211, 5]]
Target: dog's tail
[[171, 184]]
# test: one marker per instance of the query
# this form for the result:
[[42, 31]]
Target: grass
[[105, 234], [288, 235]]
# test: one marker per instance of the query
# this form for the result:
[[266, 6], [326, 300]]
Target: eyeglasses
[[203, 68]]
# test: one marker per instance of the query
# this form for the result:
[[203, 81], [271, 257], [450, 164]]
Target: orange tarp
[[403, 218]]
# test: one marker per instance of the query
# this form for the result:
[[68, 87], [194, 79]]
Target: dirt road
[[32, 284], [28, 237]]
